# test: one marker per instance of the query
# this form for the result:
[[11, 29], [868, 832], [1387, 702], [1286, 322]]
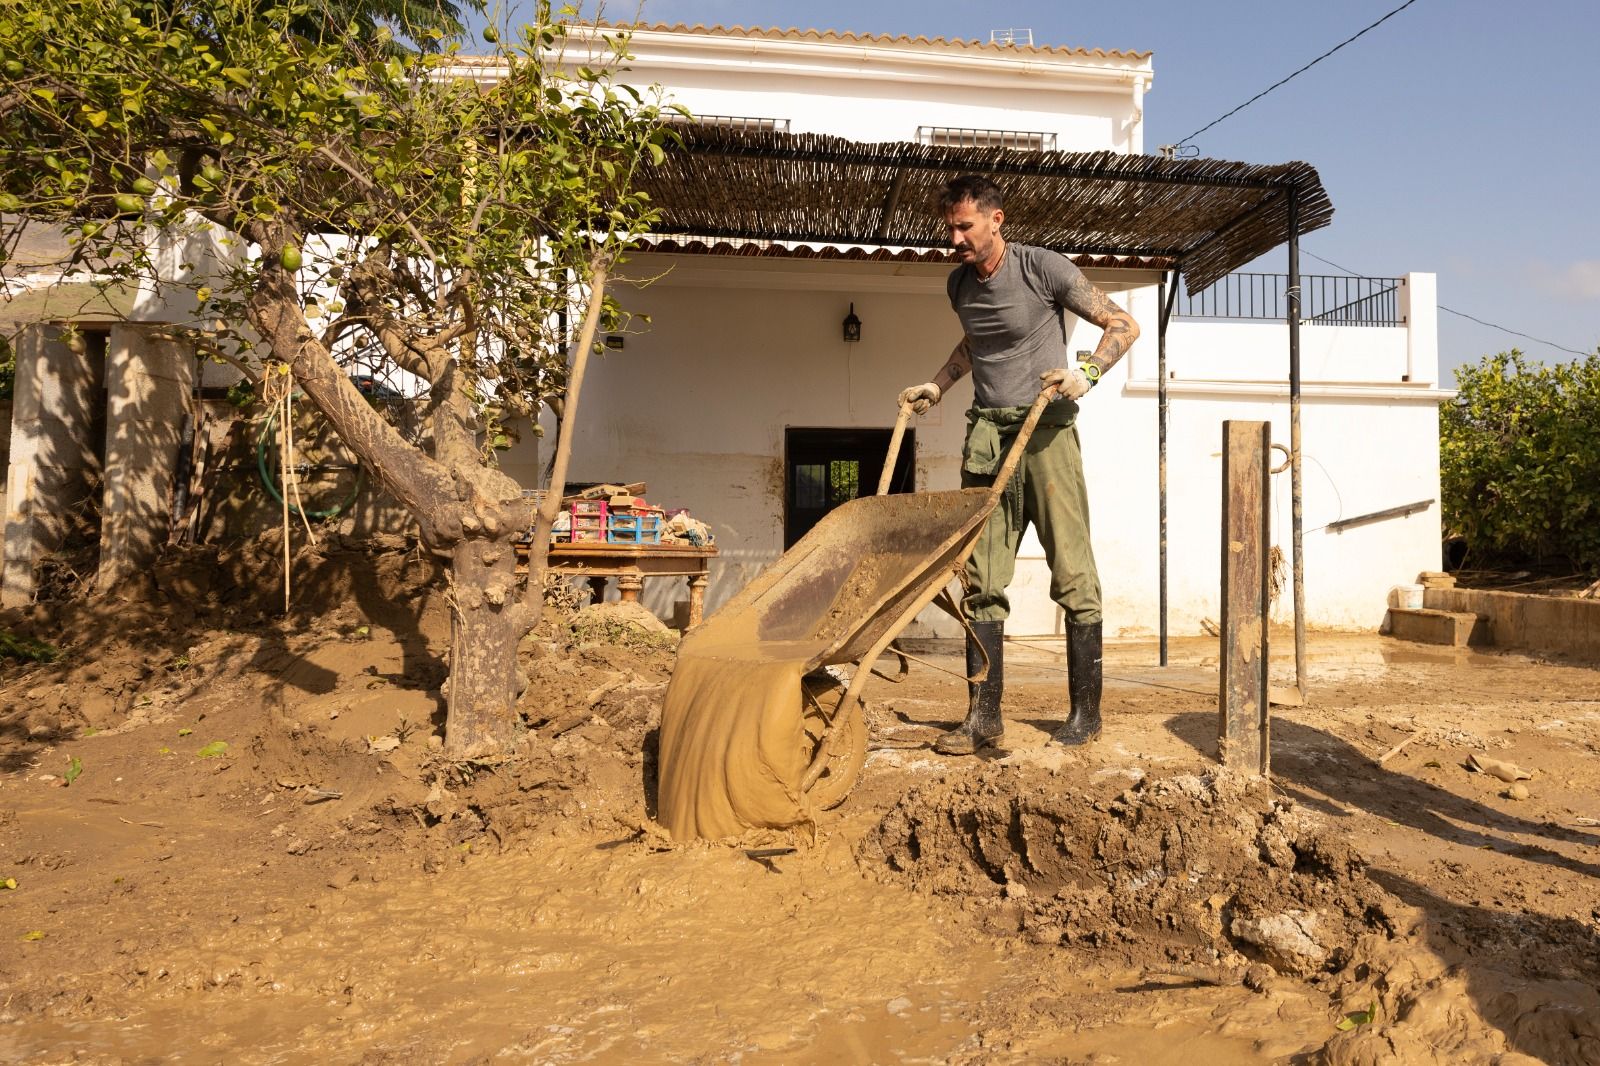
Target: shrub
[[1519, 461]]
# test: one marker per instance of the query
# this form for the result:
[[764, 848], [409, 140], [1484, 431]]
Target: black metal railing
[[1327, 299]]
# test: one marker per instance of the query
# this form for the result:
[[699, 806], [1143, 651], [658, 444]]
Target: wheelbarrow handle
[[1018, 446], [894, 449]]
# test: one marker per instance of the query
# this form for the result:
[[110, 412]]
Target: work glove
[[921, 397], [1072, 384]]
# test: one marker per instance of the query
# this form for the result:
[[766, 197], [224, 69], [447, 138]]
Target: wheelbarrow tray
[[840, 595], [858, 577]]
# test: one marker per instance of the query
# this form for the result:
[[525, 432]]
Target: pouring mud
[[733, 749]]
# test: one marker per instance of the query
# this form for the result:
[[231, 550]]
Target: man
[[1010, 299]]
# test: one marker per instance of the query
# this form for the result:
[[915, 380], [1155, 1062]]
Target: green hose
[[267, 435]]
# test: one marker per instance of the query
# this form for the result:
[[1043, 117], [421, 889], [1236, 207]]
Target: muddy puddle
[[573, 953], [567, 953], [330, 890]]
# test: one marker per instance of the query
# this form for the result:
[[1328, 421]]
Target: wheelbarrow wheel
[[847, 747]]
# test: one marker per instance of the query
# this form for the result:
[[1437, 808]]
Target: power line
[[1330, 262], [1514, 333], [1296, 74], [1461, 314]]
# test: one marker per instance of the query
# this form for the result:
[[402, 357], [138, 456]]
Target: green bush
[[1519, 461]]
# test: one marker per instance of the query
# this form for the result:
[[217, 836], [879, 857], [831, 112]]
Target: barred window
[[743, 123], [957, 137]]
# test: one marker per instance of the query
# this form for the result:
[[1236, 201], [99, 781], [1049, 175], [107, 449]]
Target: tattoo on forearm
[[1118, 337], [956, 366], [1092, 305]]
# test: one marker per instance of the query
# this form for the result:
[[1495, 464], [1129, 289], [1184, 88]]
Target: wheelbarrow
[[840, 595]]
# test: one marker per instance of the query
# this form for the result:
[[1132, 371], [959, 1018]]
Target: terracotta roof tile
[[681, 245], [796, 33]]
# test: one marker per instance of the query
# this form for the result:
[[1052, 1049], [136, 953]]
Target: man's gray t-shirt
[[1014, 322]]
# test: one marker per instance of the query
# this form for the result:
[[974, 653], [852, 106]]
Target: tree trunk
[[486, 624], [463, 509]]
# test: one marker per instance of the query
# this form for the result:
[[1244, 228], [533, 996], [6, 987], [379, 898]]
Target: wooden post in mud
[[1243, 739]]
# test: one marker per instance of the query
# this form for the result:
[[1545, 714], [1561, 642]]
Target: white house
[[742, 400], [742, 378]]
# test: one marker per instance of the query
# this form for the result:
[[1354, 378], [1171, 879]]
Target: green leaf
[[185, 731], [238, 75], [46, 95], [1360, 1017], [213, 749], [74, 770]]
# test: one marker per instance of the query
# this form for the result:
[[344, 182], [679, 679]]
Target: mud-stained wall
[[1540, 625], [738, 350], [55, 462], [697, 402], [234, 504]]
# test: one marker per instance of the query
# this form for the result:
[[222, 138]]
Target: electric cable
[[1296, 74]]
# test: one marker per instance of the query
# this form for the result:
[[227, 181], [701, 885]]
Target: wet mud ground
[[327, 889]]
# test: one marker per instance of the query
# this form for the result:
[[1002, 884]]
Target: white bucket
[[1408, 597]]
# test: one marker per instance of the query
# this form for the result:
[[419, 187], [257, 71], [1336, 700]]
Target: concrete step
[[1425, 625]]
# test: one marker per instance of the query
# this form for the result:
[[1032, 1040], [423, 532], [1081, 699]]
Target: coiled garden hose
[[267, 436]]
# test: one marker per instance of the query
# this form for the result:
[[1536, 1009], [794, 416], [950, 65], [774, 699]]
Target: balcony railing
[[1326, 299]]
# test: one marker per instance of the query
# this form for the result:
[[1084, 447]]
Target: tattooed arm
[[1092, 305], [958, 366], [922, 397]]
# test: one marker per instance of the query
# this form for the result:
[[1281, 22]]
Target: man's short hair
[[984, 194]]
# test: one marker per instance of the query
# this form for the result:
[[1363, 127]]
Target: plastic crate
[[633, 529], [586, 521]]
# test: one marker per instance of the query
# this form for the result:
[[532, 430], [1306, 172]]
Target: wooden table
[[630, 564]]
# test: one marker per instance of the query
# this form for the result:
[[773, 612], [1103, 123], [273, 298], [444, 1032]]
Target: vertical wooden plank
[[1243, 735]]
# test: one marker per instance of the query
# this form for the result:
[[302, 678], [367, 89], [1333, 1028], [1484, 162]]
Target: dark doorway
[[826, 467]]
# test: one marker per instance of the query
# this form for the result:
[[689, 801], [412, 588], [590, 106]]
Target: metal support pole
[[1295, 481], [1165, 297]]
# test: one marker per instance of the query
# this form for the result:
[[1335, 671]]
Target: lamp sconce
[[852, 326]]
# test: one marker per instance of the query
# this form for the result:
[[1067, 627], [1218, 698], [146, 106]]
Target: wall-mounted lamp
[[852, 325]]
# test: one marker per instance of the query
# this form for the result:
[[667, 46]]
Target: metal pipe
[[1165, 297], [1295, 456]]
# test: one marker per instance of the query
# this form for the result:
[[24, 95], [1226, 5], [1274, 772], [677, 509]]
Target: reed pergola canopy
[[1205, 217]]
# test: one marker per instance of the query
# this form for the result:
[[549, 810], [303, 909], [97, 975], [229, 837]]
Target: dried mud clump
[[628, 625], [1185, 869]]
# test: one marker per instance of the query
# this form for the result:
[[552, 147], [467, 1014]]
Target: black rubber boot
[[1084, 679], [983, 726]]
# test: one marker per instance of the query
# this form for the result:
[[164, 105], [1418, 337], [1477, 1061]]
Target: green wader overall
[[1047, 490]]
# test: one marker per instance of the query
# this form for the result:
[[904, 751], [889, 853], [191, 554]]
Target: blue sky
[[1459, 137]]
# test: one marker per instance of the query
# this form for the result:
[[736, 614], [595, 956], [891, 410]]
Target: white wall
[[883, 91], [740, 349]]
